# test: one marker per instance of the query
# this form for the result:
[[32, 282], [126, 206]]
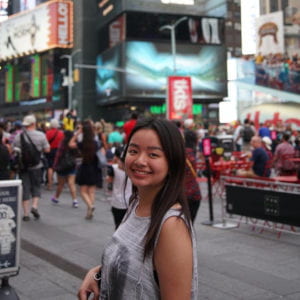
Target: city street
[[238, 263]]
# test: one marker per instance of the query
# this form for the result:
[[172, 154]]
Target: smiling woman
[[155, 239]]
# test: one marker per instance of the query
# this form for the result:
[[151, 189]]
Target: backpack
[[4, 157], [30, 154], [247, 134]]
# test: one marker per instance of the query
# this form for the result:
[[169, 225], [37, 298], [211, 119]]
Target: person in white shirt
[[116, 177]]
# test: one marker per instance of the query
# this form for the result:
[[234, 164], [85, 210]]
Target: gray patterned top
[[124, 274]]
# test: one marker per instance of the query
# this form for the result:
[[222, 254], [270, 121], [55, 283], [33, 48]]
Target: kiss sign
[[179, 101]]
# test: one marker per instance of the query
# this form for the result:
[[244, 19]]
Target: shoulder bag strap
[[53, 138], [191, 167], [29, 139]]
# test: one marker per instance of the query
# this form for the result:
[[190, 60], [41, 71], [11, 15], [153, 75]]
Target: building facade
[[32, 43], [117, 59]]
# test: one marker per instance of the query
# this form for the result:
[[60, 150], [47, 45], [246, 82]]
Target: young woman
[[87, 174], [152, 254], [66, 174]]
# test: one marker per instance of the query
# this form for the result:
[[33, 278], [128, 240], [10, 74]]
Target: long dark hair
[[68, 134], [172, 191], [88, 141], [1, 136]]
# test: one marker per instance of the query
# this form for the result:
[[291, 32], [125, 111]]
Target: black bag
[[4, 158], [247, 133], [66, 162], [31, 156]]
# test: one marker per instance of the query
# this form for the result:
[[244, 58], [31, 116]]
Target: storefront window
[[23, 79]]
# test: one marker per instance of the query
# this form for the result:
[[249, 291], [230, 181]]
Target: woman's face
[[145, 161]]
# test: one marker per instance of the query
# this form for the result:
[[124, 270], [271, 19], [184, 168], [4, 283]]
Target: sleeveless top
[[124, 273]]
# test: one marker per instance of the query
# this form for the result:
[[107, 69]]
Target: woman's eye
[[132, 151], [153, 155]]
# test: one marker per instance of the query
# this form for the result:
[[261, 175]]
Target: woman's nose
[[141, 159]]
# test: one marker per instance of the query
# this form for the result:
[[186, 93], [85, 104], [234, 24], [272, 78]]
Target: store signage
[[48, 26], [179, 100], [117, 31], [10, 221], [270, 34], [206, 147]]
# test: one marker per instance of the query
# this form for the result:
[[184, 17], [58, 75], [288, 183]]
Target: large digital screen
[[194, 7], [149, 64], [109, 9], [108, 79], [196, 30]]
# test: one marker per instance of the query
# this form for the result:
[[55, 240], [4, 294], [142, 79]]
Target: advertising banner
[[49, 25], [179, 100], [10, 222], [117, 31], [270, 34]]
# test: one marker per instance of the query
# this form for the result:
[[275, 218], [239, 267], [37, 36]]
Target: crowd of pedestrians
[[50, 156], [269, 146]]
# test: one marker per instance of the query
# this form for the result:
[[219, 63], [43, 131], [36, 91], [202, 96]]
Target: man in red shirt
[[129, 125], [54, 136]]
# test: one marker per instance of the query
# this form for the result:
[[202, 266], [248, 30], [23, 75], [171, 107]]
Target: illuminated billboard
[[49, 25], [143, 69], [109, 9], [149, 64], [108, 80]]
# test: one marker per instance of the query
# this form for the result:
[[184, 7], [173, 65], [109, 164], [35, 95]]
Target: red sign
[[206, 147], [180, 100], [117, 31]]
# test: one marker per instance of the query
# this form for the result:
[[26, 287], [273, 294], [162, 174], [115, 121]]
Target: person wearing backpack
[[32, 143], [4, 158], [247, 133]]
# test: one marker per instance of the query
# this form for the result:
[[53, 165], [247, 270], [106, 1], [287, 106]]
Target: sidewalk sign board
[[10, 223]]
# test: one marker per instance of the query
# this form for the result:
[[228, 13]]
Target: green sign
[[161, 109], [36, 70], [9, 81]]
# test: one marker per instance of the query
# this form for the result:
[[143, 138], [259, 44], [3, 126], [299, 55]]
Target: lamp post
[[172, 28], [70, 82]]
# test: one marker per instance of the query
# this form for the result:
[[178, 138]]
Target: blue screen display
[[143, 68], [149, 64]]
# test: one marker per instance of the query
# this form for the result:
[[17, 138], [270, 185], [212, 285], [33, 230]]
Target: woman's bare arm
[[173, 260]]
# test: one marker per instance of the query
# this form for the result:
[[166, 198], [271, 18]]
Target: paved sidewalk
[[233, 264]]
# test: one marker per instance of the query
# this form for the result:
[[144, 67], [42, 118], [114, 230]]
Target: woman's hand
[[89, 286]]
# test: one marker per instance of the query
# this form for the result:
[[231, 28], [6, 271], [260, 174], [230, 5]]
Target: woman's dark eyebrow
[[133, 145], [155, 148], [150, 148]]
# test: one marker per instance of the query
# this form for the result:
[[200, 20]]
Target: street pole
[[70, 76], [172, 28]]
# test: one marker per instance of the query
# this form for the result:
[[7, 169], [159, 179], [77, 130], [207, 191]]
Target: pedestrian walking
[[32, 143], [192, 189], [54, 136], [65, 167], [87, 174], [4, 159], [152, 255]]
